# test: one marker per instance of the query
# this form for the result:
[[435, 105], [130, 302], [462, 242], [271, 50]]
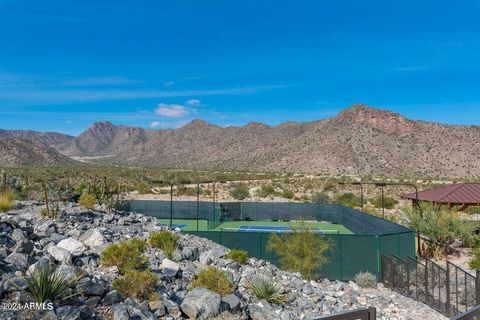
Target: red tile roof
[[461, 193]]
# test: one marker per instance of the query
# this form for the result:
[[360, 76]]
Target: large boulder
[[23, 246], [169, 268], [41, 264], [261, 311], [189, 253], [93, 238], [69, 312], [201, 303], [72, 245], [91, 287], [60, 254], [19, 261], [231, 303], [45, 228]]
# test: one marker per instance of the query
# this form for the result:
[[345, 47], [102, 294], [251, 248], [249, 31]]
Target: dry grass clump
[[214, 280]]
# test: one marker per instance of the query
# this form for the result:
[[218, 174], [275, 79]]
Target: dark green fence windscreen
[[350, 254]]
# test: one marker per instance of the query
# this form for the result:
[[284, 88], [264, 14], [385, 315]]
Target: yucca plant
[[46, 284], [268, 290]]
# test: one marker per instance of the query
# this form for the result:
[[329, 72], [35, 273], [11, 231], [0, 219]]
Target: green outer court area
[[191, 225]]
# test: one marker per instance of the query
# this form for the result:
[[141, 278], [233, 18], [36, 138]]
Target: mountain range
[[359, 140]]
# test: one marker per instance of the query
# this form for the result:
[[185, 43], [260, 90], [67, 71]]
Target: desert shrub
[[388, 202], [126, 255], [165, 240], [46, 284], [268, 290], [87, 200], [136, 284], [7, 199], [288, 194], [5, 204], [240, 256], [144, 188], [366, 280], [330, 184], [321, 198], [305, 198], [80, 189], [240, 191], [475, 262], [439, 224], [186, 191], [214, 280], [349, 200], [44, 212], [302, 250], [266, 190]]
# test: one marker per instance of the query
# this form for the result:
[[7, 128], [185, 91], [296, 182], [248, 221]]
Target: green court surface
[[191, 225], [323, 226]]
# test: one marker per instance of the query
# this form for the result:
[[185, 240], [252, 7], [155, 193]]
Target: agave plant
[[268, 290], [48, 284]]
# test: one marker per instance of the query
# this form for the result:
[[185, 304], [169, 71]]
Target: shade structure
[[463, 194]]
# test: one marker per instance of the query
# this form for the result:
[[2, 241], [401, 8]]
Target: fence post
[[426, 281], [379, 268], [392, 273], [419, 245], [477, 285], [447, 280], [372, 313], [340, 242]]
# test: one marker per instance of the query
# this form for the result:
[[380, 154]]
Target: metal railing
[[450, 290], [473, 313], [360, 314]]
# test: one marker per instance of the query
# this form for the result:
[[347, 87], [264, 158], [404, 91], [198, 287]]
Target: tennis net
[[278, 230]]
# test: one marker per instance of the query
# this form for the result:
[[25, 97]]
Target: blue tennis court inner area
[[279, 229], [264, 228]]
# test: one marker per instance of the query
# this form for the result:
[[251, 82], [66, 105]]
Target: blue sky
[[65, 64]]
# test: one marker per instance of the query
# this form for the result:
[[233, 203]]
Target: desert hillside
[[359, 140]]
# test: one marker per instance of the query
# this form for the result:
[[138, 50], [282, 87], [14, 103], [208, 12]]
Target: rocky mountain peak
[[383, 120], [102, 125]]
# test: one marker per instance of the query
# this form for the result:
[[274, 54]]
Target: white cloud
[[155, 124], [173, 110], [193, 102], [168, 124]]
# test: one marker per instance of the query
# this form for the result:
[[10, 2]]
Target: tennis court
[[281, 227], [358, 239]]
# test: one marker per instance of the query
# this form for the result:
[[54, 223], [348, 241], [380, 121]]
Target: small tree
[[439, 224], [240, 191], [302, 250]]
